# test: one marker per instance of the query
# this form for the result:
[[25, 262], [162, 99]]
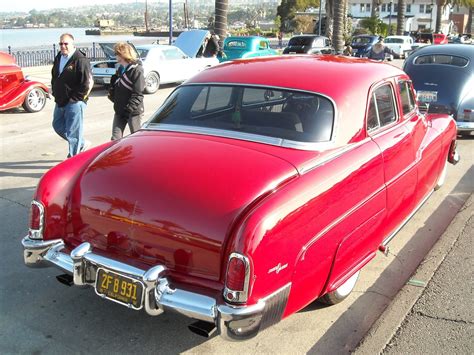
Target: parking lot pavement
[[432, 313]]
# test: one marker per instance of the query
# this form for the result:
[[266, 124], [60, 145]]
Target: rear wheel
[[152, 83], [35, 100], [341, 293]]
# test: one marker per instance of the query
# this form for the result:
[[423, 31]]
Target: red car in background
[[16, 90], [440, 38], [247, 195]]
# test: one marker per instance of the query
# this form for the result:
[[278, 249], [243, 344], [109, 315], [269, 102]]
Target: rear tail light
[[36, 220], [237, 279]]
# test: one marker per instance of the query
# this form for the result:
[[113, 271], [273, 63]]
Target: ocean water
[[44, 38]]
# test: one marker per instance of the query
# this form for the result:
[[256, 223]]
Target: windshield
[[393, 40], [300, 41], [290, 115]]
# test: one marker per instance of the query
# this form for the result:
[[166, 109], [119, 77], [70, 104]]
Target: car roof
[[395, 36], [345, 80], [463, 50], [245, 38], [308, 36]]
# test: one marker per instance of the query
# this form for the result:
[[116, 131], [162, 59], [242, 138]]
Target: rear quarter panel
[[293, 235]]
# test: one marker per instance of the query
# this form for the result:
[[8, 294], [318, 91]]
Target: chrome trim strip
[[37, 233], [405, 221], [238, 296]]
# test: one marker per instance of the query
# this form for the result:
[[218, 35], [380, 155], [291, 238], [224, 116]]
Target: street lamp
[[390, 19]]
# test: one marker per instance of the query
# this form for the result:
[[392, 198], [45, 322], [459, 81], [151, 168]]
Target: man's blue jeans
[[68, 124]]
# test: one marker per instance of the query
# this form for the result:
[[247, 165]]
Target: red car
[[16, 90], [247, 195], [440, 38]]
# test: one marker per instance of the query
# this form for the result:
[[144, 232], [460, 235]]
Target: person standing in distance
[[126, 91], [71, 84]]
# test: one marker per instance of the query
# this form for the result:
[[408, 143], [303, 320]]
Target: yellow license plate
[[119, 288]]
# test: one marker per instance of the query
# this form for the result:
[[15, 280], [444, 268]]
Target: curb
[[386, 326]]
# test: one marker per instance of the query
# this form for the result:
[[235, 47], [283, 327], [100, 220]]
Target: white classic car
[[163, 64], [402, 45]]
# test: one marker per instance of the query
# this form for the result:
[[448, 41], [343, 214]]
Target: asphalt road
[[40, 315]]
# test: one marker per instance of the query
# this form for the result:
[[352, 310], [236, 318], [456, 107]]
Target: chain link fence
[[36, 58]]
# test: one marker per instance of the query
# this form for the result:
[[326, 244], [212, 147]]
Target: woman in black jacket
[[126, 91]]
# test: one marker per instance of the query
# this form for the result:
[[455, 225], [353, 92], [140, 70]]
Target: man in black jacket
[[71, 84]]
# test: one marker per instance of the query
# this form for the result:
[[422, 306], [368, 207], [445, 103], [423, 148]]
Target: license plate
[[106, 80], [427, 96], [119, 288]]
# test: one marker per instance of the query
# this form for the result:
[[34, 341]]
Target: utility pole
[[171, 21]]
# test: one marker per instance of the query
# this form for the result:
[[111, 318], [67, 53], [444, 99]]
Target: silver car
[[162, 64]]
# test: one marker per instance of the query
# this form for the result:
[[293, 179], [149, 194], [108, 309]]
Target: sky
[[27, 5]]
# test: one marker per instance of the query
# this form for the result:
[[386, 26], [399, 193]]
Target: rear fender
[[54, 190]]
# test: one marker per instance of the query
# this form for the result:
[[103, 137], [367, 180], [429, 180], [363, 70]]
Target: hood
[[190, 41], [170, 198], [109, 52]]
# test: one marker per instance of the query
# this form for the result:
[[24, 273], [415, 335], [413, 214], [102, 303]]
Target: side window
[[263, 45], [406, 94], [381, 108], [212, 98]]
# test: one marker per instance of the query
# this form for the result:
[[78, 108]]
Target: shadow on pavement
[[354, 324]]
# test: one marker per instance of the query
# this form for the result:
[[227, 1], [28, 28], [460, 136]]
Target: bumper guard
[[232, 322]]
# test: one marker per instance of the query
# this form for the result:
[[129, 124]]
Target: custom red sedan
[[258, 187], [16, 90]]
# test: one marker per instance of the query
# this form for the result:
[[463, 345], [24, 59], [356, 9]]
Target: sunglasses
[[63, 43]]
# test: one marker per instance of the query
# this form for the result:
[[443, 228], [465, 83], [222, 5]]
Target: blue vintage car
[[362, 44], [246, 47]]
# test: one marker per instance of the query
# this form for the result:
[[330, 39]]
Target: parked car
[[247, 195], [362, 44], [443, 77], [440, 38], [401, 45], [246, 47], [17, 90], [309, 44], [162, 64]]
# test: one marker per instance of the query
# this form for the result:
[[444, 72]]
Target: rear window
[[300, 41], [284, 114], [236, 44], [441, 59], [393, 40]]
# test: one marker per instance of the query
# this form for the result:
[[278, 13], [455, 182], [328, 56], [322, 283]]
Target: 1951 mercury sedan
[[247, 195]]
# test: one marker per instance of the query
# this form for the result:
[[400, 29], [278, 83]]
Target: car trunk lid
[[172, 199]]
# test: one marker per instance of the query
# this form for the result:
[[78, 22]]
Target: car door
[[424, 141], [394, 139]]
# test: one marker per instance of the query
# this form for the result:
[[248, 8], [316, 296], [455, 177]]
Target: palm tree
[[220, 22], [339, 25], [402, 5], [329, 18]]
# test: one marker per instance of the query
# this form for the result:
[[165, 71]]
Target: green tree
[[287, 10]]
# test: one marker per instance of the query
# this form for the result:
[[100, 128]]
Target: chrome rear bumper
[[232, 322]]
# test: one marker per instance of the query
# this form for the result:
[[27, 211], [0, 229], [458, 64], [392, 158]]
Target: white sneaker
[[86, 145]]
